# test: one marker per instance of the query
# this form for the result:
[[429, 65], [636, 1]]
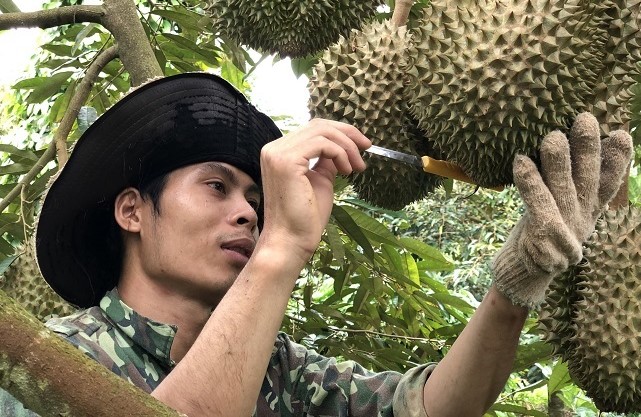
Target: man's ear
[[128, 209]]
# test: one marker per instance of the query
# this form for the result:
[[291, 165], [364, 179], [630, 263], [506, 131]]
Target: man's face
[[205, 230]]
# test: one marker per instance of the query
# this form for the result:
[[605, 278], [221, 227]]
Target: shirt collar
[[154, 337]]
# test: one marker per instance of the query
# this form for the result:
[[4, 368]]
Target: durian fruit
[[291, 28], [23, 282], [592, 315], [359, 81], [488, 78]]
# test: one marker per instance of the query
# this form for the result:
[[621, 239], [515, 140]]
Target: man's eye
[[218, 186], [254, 204]]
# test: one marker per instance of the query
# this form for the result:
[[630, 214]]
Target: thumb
[[616, 156]]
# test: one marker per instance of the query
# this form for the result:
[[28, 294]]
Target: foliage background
[[387, 289]]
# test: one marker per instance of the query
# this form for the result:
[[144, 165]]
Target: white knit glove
[[563, 201]]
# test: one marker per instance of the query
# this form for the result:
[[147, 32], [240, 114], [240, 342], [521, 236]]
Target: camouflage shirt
[[298, 381]]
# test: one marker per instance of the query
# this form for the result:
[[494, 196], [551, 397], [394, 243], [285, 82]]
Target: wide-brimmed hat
[[163, 125]]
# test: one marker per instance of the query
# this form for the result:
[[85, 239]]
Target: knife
[[427, 164]]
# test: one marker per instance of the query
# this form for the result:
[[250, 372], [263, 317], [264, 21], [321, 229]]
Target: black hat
[[159, 127]]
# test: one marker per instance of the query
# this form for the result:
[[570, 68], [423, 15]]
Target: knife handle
[[448, 170]]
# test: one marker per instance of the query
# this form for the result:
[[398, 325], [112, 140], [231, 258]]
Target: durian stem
[[401, 12], [448, 170]]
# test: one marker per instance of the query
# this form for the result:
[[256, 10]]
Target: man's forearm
[[224, 369], [473, 373]]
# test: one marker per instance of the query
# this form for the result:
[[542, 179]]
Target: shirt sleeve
[[325, 386], [11, 407]]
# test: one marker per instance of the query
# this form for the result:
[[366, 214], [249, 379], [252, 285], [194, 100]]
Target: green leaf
[[349, 226], [307, 295], [185, 19], [29, 83], [61, 104], [14, 169], [49, 87], [375, 230], [411, 268], [8, 218], [529, 354], [86, 31], [339, 280], [513, 408], [232, 74], [208, 56], [397, 214], [6, 263], [18, 155], [453, 301], [335, 242], [559, 378], [86, 116], [303, 66], [57, 49], [433, 257]]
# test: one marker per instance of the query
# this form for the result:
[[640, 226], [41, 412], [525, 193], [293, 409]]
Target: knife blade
[[399, 156], [427, 164]]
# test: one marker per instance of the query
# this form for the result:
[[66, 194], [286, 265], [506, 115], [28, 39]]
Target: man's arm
[[222, 373], [578, 176], [473, 373]]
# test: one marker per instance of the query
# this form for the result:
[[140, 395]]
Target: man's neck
[[164, 305]]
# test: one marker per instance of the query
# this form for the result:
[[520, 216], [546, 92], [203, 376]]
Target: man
[[181, 222]]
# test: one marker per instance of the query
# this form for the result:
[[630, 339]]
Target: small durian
[[359, 81], [23, 282], [291, 28], [489, 79], [592, 316]]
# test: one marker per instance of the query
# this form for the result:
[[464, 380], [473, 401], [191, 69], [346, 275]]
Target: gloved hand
[[563, 201]]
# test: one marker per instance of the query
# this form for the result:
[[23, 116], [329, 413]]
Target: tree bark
[[79, 98], [47, 374], [53, 378], [135, 51], [401, 12], [51, 18]]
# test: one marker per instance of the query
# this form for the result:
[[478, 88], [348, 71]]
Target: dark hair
[[114, 244], [153, 190]]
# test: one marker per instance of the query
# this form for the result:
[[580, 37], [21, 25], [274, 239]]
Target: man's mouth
[[242, 246]]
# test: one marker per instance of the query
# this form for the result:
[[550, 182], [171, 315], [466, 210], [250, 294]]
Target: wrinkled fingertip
[[586, 124], [554, 143], [620, 139]]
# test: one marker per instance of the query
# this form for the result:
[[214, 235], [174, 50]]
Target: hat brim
[[164, 125]]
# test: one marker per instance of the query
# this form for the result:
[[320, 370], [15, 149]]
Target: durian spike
[[401, 12], [449, 170]]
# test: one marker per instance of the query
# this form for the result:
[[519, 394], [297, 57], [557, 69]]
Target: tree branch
[[136, 54], [51, 18], [79, 98], [52, 377], [401, 12], [28, 177], [60, 137]]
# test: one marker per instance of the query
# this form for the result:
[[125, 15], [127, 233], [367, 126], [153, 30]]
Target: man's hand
[[298, 198], [563, 201]]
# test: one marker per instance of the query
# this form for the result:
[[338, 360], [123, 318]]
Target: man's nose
[[245, 214]]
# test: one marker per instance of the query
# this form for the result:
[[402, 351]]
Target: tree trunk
[[134, 49], [47, 374], [53, 378]]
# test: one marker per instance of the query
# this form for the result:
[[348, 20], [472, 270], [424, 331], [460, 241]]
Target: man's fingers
[[585, 145], [616, 155], [535, 194], [557, 173], [356, 136], [347, 136]]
